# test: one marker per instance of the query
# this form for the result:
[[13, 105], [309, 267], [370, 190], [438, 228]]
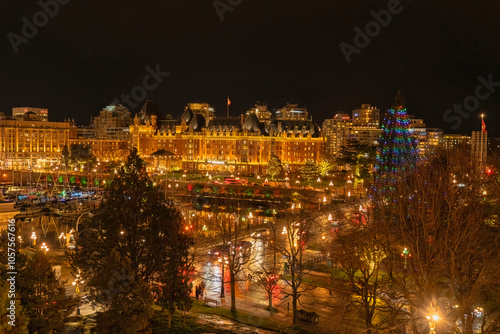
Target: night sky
[[273, 51]]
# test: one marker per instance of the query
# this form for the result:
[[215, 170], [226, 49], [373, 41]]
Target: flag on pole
[[483, 126], [228, 101]]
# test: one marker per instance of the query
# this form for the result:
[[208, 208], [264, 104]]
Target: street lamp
[[33, 238], [44, 247], [432, 323], [222, 261], [78, 220], [78, 280]]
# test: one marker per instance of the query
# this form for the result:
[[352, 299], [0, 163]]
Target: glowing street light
[[44, 247], [432, 323], [78, 280], [33, 238]]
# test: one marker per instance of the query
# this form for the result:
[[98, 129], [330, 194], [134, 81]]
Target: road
[[252, 297]]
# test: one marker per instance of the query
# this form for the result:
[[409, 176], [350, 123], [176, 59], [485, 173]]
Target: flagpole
[[227, 104], [482, 134]]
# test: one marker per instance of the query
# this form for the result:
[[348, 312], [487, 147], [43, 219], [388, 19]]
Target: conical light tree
[[396, 150]]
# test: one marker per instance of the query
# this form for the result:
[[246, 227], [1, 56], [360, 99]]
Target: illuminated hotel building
[[28, 139], [240, 144]]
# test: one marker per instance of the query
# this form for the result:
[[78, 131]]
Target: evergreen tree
[[65, 155], [396, 152], [175, 288], [309, 171], [357, 157], [21, 319], [125, 297], [274, 167], [81, 155], [43, 296], [134, 222]]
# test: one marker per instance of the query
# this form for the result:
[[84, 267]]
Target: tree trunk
[[271, 301], [294, 305], [169, 320], [233, 293]]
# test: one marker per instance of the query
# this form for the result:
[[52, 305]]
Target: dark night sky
[[273, 51]]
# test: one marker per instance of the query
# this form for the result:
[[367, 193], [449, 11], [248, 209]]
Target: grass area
[[241, 316], [186, 325]]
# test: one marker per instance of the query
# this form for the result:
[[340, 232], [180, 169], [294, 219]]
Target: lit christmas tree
[[396, 150]]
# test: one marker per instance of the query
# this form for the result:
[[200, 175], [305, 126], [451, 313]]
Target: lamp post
[[432, 323], [78, 220], [78, 280], [33, 238], [222, 261], [44, 247], [273, 226]]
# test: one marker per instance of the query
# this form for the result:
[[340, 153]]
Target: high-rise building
[[336, 132], [260, 110], [291, 112], [451, 141], [433, 140], [366, 116], [113, 122], [20, 113], [201, 108], [479, 146]]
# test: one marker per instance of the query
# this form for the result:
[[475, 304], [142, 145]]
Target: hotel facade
[[200, 142]]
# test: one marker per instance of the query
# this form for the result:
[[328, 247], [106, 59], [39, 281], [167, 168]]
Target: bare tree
[[451, 266], [270, 281], [298, 221], [234, 254], [358, 255]]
